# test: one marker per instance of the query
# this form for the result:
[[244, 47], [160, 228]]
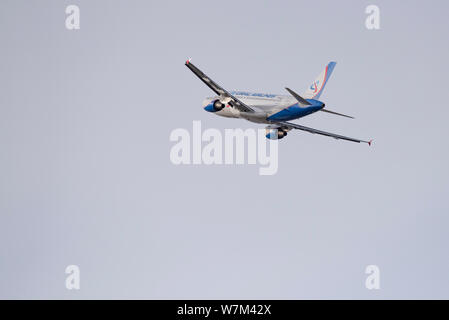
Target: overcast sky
[[86, 178]]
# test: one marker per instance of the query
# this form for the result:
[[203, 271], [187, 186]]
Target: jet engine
[[274, 134], [218, 105]]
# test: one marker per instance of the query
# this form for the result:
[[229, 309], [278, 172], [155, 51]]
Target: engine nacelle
[[218, 105], [214, 106], [274, 134]]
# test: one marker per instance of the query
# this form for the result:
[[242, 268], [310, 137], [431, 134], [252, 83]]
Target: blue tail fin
[[316, 88]]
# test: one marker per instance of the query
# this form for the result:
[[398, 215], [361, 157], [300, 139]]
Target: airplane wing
[[217, 89], [290, 125]]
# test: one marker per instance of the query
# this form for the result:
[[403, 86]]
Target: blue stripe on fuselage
[[295, 111]]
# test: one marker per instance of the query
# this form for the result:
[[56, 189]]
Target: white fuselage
[[264, 105]]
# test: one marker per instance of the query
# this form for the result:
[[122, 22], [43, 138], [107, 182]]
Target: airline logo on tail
[[314, 86]]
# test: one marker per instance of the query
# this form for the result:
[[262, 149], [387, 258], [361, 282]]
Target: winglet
[[369, 142], [188, 60]]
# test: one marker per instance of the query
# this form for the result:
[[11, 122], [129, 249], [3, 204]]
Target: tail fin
[[316, 88]]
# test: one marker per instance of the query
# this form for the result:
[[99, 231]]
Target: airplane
[[272, 109]]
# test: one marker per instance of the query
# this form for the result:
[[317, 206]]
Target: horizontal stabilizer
[[300, 99], [338, 114]]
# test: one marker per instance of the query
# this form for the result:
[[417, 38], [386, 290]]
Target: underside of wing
[[236, 103], [289, 125]]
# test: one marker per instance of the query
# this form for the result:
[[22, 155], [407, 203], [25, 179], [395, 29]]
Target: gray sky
[[86, 179]]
